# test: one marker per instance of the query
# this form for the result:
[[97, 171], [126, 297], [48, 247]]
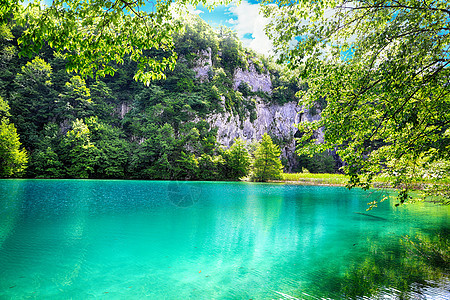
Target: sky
[[244, 19]]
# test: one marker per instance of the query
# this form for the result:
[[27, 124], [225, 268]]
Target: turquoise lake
[[113, 239]]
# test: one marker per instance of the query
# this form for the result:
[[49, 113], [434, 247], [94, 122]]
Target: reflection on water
[[10, 208], [178, 240], [408, 270]]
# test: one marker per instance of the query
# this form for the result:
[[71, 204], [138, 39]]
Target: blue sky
[[244, 19]]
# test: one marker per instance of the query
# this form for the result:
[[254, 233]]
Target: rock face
[[123, 109], [257, 81], [203, 65], [278, 120]]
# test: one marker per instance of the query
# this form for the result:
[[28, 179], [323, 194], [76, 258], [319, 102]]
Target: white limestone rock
[[278, 120], [203, 65], [257, 81], [123, 109]]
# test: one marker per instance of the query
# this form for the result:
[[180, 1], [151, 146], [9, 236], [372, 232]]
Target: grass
[[340, 179], [437, 189], [310, 178]]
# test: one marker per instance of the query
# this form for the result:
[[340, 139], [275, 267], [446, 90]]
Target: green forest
[[102, 90], [72, 127], [105, 89]]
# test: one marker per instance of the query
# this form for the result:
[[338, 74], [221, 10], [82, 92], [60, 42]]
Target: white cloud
[[179, 10], [192, 10], [42, 3], [249, 21]]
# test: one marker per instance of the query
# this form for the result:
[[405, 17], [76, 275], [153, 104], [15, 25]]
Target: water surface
[[62, 239]]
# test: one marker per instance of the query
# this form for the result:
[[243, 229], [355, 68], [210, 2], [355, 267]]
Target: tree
[[75, 101], [237, 160], [80, 155], [232, 50], [196, 34], [318, 163], [8, 66], [267, 164], [46, 164], [187, 167], [4, 109], [210, 167], [13, 160], [152, 158], [113, 150], [91, 35], [33, 96], [383, 69]]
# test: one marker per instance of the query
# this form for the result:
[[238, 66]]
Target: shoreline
[[306, 182]]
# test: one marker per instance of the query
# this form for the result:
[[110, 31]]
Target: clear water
[[81, 239]]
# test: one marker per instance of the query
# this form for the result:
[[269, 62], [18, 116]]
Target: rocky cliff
[[279, 120], [256, 80]]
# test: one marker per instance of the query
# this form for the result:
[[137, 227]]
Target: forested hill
[[177, 128]]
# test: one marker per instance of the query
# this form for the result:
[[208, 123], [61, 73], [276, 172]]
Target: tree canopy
[[238, 160], [93, 34], [382, 68], [114, 127], [13, 159]]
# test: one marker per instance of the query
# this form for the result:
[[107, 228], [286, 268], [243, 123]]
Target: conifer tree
[[79, 153], [267, 164]]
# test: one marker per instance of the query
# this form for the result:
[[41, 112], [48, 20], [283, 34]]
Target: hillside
[[177, 128]]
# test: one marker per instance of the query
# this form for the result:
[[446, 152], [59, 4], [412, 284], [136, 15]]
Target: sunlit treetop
[[305, 30], [93, 35], [388, 101]]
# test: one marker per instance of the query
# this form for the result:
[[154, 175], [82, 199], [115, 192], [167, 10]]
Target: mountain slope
[[178, 128]]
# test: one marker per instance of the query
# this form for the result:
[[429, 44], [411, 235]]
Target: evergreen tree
[[45, 164], [75, 100], [210, 167], [32, 102], [187, 167], [4, 109], [79, 153], [267, 164], [113, 150]]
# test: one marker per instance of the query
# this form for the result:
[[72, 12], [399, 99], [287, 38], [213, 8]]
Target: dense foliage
[[115, 127], [93, 34], [13, 158], [238, 160], [382, 67]]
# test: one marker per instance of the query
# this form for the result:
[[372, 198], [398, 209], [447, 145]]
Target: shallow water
[[62, 239]]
